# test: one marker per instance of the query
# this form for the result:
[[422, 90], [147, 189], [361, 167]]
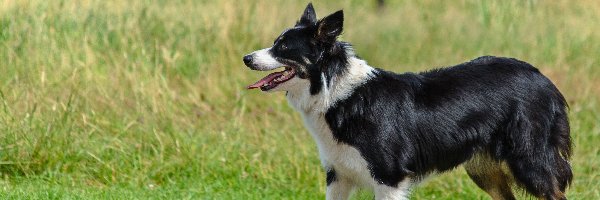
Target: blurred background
[[107, 99]]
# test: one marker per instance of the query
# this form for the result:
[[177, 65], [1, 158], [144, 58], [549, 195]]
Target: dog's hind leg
[[490, 176]]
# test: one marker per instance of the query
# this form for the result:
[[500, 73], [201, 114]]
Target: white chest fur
[[345, 159]]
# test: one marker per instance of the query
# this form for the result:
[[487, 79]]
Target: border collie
[[499, 117]]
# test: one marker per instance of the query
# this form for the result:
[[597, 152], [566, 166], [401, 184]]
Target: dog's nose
[[248, 59]]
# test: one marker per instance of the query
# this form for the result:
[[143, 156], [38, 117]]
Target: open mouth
[[274, 79]]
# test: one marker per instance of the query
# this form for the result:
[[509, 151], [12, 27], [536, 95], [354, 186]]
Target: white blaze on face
[[263, 60]]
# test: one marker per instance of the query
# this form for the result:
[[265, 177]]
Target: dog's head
[[309, 53]]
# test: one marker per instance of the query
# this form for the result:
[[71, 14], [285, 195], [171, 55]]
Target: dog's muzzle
[[261, 60]]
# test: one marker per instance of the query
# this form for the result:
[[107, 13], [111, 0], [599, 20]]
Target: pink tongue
[[264, 80]]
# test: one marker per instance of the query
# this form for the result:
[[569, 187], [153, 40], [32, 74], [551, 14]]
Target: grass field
[[146, 100]]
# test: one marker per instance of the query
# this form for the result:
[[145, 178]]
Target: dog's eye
[[283, 47]]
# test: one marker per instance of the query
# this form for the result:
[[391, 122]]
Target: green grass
[[145, 100]]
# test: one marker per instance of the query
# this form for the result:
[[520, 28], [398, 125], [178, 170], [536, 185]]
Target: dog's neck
[[339, 88]]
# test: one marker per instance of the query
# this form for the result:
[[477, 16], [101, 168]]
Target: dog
[[499, 117]]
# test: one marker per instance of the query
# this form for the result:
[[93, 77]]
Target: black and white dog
[[500, 117]]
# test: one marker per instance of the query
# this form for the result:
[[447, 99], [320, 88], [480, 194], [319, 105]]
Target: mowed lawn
[[109, 99]]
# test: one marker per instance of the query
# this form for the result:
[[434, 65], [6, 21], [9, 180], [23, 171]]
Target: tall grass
[[144, 99]]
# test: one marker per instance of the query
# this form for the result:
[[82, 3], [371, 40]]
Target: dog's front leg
[[338, 188]]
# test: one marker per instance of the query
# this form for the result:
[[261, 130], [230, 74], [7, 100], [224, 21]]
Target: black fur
[[415, 124], [331, 177]]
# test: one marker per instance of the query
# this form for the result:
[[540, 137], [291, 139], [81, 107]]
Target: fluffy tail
[[542, 168], [561, 139]]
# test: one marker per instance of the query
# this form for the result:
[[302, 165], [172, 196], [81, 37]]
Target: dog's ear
[[330, 27], [309, 17]]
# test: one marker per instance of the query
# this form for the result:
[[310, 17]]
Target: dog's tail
[[540, 148], [561, 141]]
